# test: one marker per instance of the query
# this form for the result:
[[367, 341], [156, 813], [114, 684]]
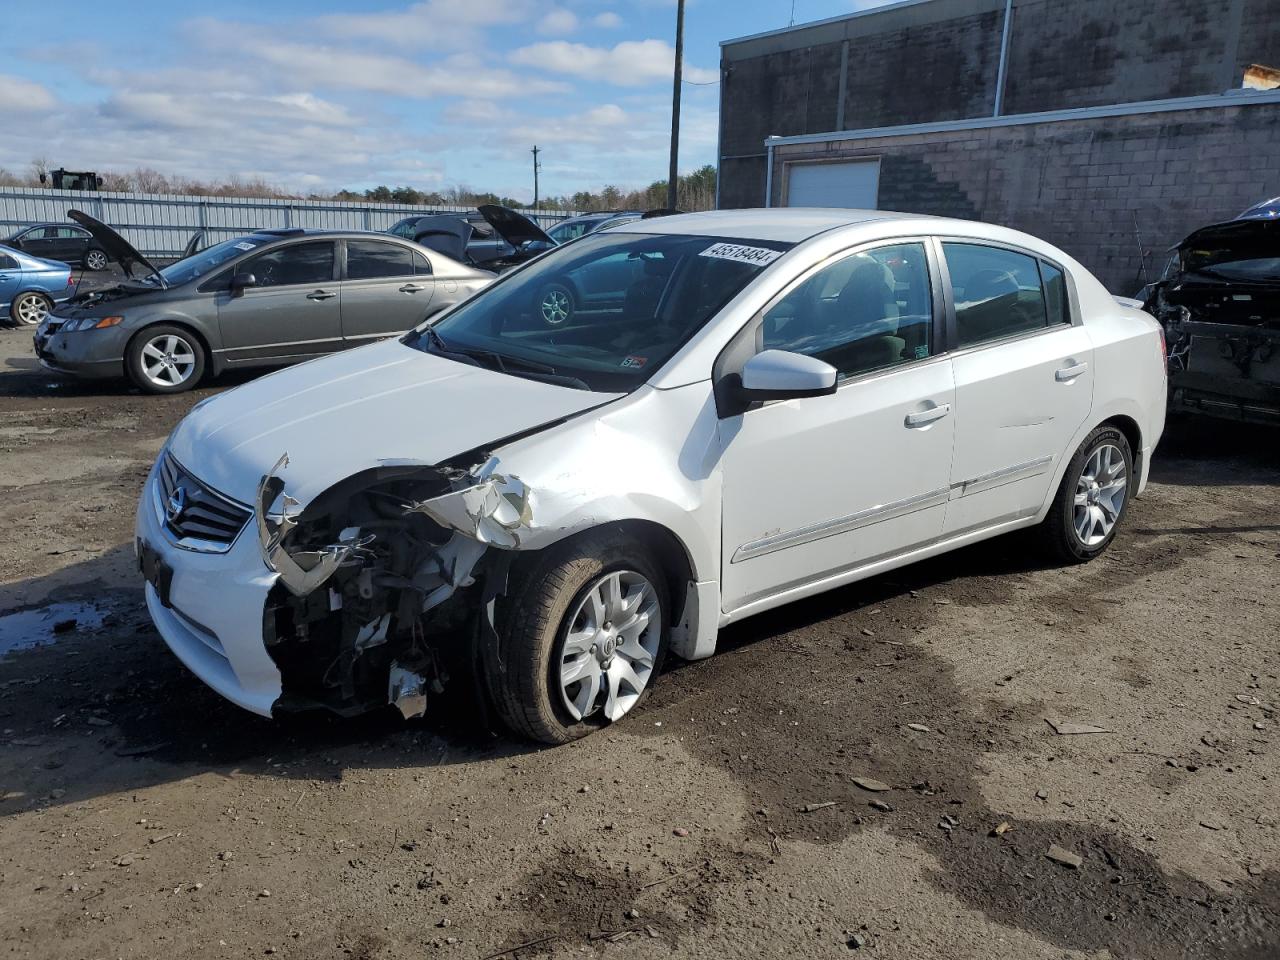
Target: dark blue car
[[30, 286]]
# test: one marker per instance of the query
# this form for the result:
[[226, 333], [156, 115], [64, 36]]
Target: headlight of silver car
[[91, 323]]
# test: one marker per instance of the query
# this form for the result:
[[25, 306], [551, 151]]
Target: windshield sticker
[[634, 363], [759, 256], [245, 245]]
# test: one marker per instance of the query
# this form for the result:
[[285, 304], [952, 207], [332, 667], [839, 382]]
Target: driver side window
[[868, 311], [301, 263]]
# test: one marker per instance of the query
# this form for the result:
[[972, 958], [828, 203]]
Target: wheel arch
[[1128, 425], [666, 548]]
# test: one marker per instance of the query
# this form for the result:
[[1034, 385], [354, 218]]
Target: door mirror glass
[[782, 375]]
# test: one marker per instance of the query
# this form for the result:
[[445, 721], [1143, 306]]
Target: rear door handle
[[1063, 374], [411, 288], [321, 295], [925, 417]]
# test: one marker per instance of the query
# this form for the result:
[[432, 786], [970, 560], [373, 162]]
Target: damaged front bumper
[[368, 596], [364, 611], [1224, 370]]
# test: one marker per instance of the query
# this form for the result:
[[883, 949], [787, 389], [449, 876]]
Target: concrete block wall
[[1081, 184]]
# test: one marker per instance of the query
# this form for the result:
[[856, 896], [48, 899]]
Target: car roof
[[782, 224], [289, 233]]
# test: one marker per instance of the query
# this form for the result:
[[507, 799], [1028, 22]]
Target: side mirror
[[242, 281], [782, 375]]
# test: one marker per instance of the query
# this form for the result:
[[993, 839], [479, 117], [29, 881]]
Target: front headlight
[[91, 323]]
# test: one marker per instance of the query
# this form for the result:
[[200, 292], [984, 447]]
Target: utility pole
[[673, 175], [536, 165]]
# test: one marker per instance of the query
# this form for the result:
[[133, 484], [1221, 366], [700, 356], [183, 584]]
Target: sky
[[318, 95]]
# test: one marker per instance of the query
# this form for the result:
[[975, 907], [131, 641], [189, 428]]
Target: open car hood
[[513, 227], [115, 246], [1248, 232], [447, 234]]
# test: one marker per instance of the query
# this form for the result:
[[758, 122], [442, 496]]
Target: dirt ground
[[142, 816]]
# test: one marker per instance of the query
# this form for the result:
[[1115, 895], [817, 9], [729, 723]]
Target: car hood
[[115, 246], [513, 227], [1255, 230], [381, 405]]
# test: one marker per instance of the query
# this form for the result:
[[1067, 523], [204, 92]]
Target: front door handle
[[321, 295], [925, 417], [412, 288], [1062, 374]]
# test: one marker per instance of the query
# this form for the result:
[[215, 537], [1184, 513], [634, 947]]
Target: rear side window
[[421, 265], [997, 292], [371, 259], [1055, 293], [7, 262]]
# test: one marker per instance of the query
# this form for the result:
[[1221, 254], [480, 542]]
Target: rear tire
[[1092, 500], [164, 359], [95, 259], [561, 622], [29, 308], [556, 305]]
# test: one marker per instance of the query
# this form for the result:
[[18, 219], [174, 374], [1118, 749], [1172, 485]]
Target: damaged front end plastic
[[383, 580]]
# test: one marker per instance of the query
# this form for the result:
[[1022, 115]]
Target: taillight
[[71, 280], [1164, 349]]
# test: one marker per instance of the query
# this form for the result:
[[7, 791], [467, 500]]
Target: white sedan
[[771, 404]]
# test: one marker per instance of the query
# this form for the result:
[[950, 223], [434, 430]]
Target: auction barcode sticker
[[736, 251]]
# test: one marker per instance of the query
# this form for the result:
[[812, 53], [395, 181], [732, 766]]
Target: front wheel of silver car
[[582, 635], [29, 308], [1092, 498], [96, 260], [165, 359]]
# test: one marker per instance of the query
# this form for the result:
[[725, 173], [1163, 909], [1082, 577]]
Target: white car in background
[[780, 402]]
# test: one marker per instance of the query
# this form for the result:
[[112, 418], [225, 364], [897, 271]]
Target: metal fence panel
[[160, 225]]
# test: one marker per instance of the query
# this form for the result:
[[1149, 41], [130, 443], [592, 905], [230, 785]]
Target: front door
[[293, 310], [816, 487], [387, 290], [1024, 382]]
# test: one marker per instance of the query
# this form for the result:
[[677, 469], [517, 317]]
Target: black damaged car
[[1219, 302]]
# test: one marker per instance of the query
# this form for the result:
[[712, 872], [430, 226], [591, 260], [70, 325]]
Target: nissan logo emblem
[[177, 503]]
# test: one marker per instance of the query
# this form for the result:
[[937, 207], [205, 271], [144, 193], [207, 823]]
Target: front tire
[[29, 308], [582, 635], [1092, 499], [96, 260], [165, 359]]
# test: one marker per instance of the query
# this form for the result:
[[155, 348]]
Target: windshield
[[199, 264], [603, 313], [1248, 262]]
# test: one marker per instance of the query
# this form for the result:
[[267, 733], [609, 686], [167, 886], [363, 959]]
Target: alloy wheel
[[95, 260], [611, 646], [168, 360], [1100, 494], [31, 308], [555, 307]]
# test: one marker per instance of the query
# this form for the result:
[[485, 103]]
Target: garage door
[[852, 184]]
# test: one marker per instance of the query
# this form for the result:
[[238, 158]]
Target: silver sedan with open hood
[[268, 298]]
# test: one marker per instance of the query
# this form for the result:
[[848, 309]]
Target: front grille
[[193, 512]]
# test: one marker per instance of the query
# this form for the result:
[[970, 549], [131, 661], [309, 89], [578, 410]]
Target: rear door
[[387, 289], [10, 274], [71, 244], [293, 311], [1024, 380]]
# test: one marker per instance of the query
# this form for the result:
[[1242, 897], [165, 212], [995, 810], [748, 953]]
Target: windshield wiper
[[437, 341]]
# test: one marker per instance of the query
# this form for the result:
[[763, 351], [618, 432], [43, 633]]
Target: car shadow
[[1195, 450]]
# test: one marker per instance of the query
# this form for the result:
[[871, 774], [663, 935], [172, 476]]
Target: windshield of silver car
[[198, 264], [602, 313]]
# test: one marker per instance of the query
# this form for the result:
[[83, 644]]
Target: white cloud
[[607, 20], [630, 63], [431, 24], [558, 21], [22, 96]]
